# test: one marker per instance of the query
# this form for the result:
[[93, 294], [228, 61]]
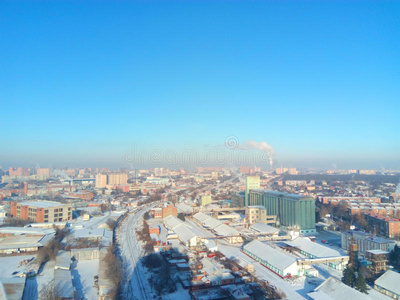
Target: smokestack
[[25, 188]]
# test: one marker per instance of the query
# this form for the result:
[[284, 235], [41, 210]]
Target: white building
[[272, 258], [314, 250]]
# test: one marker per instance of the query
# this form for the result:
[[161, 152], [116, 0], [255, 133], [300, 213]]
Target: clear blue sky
[[80, 82]]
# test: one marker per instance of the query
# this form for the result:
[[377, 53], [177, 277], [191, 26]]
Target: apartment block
[[205, 199], [110, 179], [41, 211], [255, 214], [385, 226]]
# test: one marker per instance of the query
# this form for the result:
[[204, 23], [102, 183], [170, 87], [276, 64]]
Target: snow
[[45, 277], [9, 264], [83, 273], [137, 285]]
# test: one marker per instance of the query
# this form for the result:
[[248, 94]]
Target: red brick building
[[169, 211], [41, 211], [386, 226]]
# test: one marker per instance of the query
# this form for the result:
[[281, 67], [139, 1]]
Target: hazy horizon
[[82, 82]]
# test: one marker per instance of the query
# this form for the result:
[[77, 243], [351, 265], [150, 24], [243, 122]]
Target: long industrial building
[[272, 258], [293, 211]]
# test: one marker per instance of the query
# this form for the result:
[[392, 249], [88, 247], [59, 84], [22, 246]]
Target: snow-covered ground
[[137, 286], [93, 222], [11, 263], [83, 273], [45, 278]]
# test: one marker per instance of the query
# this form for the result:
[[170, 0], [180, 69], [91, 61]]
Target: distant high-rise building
[[101, 180], [293, 171], [112, 178], [117, 178], [244, 170], [205, 199], [43, 172], [19, 172], [70, 172], [281, 170], [252, 182]]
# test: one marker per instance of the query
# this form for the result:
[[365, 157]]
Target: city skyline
[[83, 83]]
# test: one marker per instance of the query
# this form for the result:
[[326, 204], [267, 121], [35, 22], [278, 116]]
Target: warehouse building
[[277, 261], [314, 250], [388, 284], [293, 211], [264, 229]]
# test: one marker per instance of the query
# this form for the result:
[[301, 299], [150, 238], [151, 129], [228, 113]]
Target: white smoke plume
[[262, 146]]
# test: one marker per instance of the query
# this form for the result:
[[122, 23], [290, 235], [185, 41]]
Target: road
[[131, 252]]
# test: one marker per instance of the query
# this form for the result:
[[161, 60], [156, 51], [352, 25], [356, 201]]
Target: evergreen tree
[[360, 284], [181, 216], [394, 257], [349, 277]]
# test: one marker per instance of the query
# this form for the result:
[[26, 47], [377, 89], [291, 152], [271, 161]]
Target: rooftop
[[313, 248], [264, 228], [334, 289], [389, 281], [42, 204], [281, 194], [271, 255]]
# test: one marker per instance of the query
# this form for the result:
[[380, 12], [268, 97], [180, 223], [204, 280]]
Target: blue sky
[[81, 82]]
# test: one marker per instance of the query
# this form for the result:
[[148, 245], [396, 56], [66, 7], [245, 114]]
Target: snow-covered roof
[[27, 230], [208, 266], [63, 260], [236, 291], [377, 251], [184, 233], [334, 289], [201, 216], [171, 222], [42, 204], [89, 233], [389, 281], [264, 228], [225, 230], [211, 223], [63, 287], [315, 249], [184, 207], [23, 241], [271, 255], [12, 288]]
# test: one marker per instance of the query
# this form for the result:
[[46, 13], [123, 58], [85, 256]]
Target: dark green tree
[[360, 284], [349, 276], [394, 257], [181, 216]]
